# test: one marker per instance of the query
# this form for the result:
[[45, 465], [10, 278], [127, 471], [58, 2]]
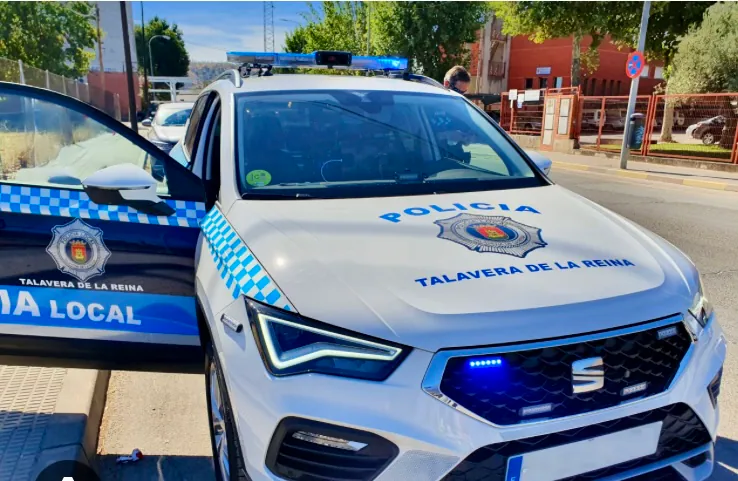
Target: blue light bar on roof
[[307, 60]]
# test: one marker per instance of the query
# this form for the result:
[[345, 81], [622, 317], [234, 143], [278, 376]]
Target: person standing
[[457, 79]]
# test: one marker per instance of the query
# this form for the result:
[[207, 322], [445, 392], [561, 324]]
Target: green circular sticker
[[258, 178]]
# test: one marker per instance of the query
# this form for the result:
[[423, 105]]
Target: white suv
[[384, 285]]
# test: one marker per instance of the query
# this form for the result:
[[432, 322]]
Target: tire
[[708, 138], [231, 467]]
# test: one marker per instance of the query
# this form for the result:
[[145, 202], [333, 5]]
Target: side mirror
[[146, 123], [542, 162], [126, 184]]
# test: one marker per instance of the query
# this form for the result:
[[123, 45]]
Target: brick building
[[501, 62]]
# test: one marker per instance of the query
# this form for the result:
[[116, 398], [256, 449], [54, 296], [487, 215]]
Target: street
[[164, 415]]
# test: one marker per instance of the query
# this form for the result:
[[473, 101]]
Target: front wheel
[[708, 138], [227, 458]]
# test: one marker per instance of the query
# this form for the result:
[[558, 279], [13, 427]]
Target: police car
[[383, 284]]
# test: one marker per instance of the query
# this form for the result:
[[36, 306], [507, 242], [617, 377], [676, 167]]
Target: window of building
[[612, 87], [559, 82], [542, 82], [658, 73], [619, 85], [528, 83], [645, 72], [584, 87], [593, 87]]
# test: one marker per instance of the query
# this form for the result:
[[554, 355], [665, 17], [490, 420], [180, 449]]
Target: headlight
[[290, 345], [699, 312]]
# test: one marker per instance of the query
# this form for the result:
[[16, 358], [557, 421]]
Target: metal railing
[[16, 71]]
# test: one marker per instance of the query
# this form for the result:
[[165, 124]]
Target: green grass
[[699, 150]]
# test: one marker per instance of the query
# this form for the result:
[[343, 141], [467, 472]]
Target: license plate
[[581, 457]]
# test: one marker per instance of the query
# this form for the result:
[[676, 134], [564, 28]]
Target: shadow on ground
[[726, 453], [157, 468]]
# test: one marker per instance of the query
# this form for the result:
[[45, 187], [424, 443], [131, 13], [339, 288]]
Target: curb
[[702, 184], [71, 434]]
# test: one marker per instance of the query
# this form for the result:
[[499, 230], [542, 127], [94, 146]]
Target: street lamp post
[[151, 57]]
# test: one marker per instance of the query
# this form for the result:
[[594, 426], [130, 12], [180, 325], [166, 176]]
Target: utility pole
[[625, 149], [129, 68], [269, 26], [146, 77], [99, 48]]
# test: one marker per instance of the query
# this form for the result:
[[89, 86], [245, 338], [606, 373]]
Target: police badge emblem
[[78, 250], [497, 234]]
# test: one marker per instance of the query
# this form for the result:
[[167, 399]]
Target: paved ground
[[164, 415]]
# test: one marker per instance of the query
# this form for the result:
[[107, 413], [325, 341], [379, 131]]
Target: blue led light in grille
[[487, 362]]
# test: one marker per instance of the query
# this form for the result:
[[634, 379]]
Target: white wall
[[112, 41]]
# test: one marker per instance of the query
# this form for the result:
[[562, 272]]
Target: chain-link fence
[[17, 72], [702, 127]]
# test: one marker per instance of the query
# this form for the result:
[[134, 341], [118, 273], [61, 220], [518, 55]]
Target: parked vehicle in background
[[709, 130], [148, 112], [168, 125]]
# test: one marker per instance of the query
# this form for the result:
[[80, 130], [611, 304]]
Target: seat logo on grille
[[587, 375]]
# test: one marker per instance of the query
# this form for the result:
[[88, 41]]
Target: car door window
[[194, 125], [49, 145]]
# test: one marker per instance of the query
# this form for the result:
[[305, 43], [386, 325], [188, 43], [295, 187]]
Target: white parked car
[[168, 125], [383, 284]]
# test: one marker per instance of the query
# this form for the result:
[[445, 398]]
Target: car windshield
[[172, 118], [342, 144]]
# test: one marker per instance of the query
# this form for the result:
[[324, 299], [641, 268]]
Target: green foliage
[[433, 35], [707, 58], [170, 56], [544, 20], [48, 35], [667, 23]]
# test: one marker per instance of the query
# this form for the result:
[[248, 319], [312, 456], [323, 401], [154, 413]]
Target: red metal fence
[[689, 126], [702, 127], [601, 123]]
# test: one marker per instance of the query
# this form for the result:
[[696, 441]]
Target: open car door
[[98, 230]]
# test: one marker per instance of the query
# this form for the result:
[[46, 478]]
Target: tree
[[169, 57], [703, 64], [336, 26], [542, 20], [667, 23], [52, 36], [432, 35]]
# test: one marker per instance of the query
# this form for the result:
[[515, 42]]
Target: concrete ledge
[[71, 434], [712, 165], [703, 184]]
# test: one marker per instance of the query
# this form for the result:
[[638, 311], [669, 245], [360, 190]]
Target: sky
[[212, 28]]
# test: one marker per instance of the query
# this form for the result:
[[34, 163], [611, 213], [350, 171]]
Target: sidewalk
[[48, 415], [694, 177]]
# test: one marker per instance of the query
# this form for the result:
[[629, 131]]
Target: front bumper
[[433, 438]]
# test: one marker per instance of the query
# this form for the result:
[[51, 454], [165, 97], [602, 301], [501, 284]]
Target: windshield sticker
[[78, 250], [521, 269], [496, 234], [258, 178], [396, 217]]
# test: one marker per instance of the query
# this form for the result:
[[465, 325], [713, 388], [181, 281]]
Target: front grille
[[299, 460], [681, 431], [524, 381]]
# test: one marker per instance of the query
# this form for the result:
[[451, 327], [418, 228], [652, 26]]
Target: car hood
[[170, 134], [465, 269]]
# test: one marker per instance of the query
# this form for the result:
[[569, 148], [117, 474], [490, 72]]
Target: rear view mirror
[[541, 161], [126, 184], [146, 123]]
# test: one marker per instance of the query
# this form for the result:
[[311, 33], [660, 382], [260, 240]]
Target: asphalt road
[[164, 415]]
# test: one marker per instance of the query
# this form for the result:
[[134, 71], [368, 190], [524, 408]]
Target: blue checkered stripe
[[236, 264], [75, 203]]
